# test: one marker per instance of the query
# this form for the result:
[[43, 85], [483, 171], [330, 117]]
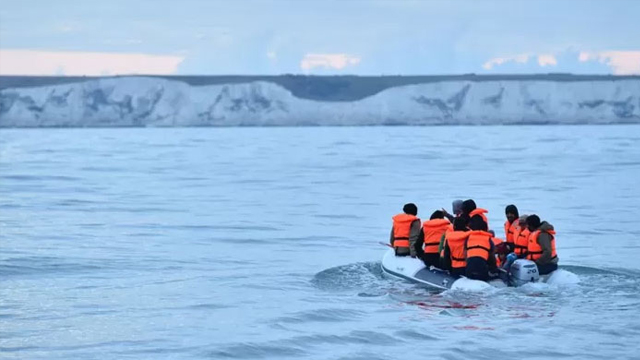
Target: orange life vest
[[521, 241], [433, 231], [535, 250], [510, 230], [455, 240], [402, 229], [481, 212], [478, 244]]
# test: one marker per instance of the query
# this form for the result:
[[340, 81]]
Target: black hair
[[477, 223], [512, 209], [438, 214], [460, 224], [533, 221], [410, 208], [468, 206]]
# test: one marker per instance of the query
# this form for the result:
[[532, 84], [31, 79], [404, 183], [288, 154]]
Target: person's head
[[460, 224], [502, 249], [511, 211], [477, 223], [410, 209], [522, 221], [468, 206], [533, 222], [456, 206], [437, 215]]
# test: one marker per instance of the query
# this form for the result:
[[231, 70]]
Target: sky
[[346, 37]]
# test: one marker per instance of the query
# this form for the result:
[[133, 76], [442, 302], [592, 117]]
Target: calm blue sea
[[262, 243]]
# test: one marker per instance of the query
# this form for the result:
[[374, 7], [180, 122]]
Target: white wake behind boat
[[405, 267]]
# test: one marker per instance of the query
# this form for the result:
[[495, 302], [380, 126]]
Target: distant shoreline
[[315, 87], [320, 101]]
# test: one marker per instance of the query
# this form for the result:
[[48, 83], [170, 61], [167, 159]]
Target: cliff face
[[153, 101]]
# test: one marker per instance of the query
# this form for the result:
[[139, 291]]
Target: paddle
[[385, 244]]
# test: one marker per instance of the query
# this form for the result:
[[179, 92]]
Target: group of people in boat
[[463, 244]]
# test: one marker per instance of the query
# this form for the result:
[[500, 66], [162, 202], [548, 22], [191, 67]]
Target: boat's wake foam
[[465, 284], [366, 279], [562, 277], [569, 286]]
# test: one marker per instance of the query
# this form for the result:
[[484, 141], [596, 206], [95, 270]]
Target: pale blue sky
[[363, 37]]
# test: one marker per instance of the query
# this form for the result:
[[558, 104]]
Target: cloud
[[621, 62], [547, 60], [328, 61], [36, 62], [521, 59]]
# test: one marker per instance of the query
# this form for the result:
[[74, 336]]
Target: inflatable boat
[[404, 267]]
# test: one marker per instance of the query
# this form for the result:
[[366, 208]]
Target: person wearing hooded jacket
[[542, 245], [405, 231], [470, 209], [456, 207], [512, 225]]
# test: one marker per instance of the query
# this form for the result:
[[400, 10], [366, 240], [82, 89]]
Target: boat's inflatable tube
[[412, 269]]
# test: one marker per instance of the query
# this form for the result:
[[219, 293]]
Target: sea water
[[262, 243]]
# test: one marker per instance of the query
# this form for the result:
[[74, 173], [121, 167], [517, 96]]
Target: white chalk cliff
[[146, 101]]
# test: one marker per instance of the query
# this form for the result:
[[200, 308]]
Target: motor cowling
[[523, 271]]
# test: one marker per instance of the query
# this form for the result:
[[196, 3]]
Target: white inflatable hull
[[412, 269], [408, 268]]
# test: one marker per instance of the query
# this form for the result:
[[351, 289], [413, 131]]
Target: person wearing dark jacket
[[479, 250], [405, 231], [456, 207], [470, 209], [468, 206], [430, 234], [452, 257], [511, 226], [542, 245]]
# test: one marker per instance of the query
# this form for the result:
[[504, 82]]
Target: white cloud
[[621, 62], [36, 62], [272, 55], [328, 61], [521, 59], [547, 60]]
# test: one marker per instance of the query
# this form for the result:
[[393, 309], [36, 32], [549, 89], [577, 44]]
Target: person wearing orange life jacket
[[542, 245], [511, 225], [470, 209], [430, 235], [521, 237], [456, 207], [405, 231], [453, 253], [479, 250]]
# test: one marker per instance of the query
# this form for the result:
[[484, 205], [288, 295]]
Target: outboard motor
[[523, 271]]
